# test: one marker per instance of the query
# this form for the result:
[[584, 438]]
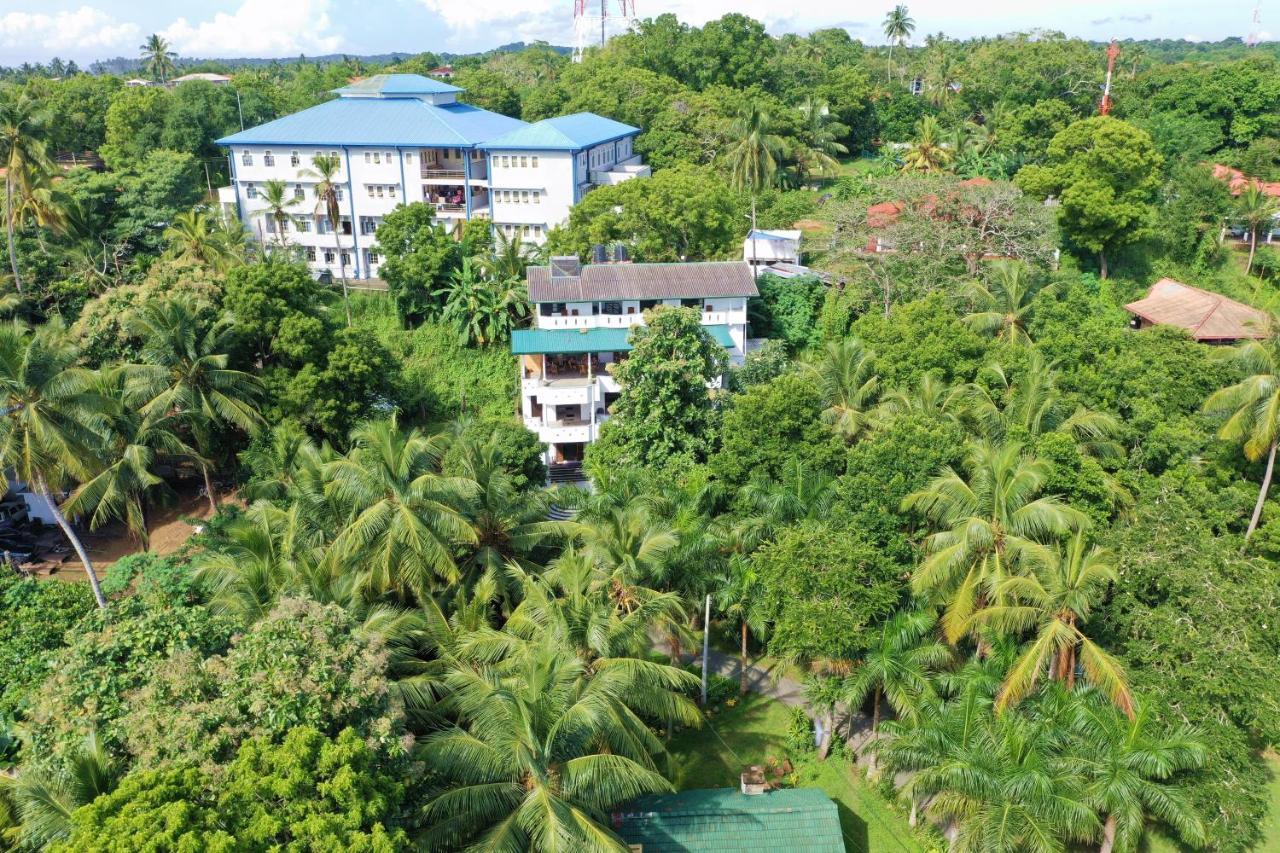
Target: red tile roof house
[[1209, 317], [886, 213], [1238, 182]]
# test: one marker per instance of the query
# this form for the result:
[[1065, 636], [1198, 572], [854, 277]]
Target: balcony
[[451, 171], [591, 321]]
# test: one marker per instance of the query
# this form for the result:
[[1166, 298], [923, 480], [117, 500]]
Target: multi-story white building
[[404, 138], [583, 318]]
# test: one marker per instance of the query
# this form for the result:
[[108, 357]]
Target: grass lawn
[[713, 756]]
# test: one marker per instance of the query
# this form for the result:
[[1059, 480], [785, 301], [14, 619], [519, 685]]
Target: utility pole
[[706, 648]]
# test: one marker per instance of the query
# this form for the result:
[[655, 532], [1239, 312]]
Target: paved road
[[759, 679]]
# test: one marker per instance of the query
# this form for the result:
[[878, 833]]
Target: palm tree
[[1254, 407], [928, 153], [53, 414], [157, 58], [988, 527], [22, 149], [932, 397], [406, 519], [898, 665], [1054, 602], [483, 311], [44, 798], [817, 154], [898, 27], [192, 237], [630, 546], [754, 159], [799, 492], [184, 374], [279, 198], [133, 448], [546, 746], [846, 374], [1128, 767], [325, 169], [511, 257], [1003, 308], [1254, 208], [734, 597]]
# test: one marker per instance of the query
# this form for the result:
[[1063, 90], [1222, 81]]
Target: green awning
[[570, 341]]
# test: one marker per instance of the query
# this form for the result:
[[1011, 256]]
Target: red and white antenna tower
[[1255, 34], [1113, 51], [594, 26]]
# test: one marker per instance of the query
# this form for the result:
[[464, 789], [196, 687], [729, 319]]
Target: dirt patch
[[812, 225]]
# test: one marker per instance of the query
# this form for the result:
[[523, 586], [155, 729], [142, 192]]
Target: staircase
[[565, 472]]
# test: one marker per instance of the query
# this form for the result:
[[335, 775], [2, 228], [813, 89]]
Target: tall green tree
[[898, 666], [1003, 307], [325, 169], [22, 128], [928, 152], [278, 198], [845, 371], [52, 417], [157, 58], [1105, 174], [1256, 209], [898, 26], [755, 158]]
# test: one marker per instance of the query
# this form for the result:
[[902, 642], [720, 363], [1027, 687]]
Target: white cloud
[[76, 31], [259, 28]]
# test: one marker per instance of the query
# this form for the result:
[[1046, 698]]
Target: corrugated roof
[[391, 85], [644, 281], [377, 121], [563, 133], [724, 820], [542, 341], [1207, 316]]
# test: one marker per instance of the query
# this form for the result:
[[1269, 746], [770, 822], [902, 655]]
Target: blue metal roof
[[380, 121], [568, 341], [564, 133], [397, 84]]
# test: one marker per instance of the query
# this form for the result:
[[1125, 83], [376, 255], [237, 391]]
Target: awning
[[569, 341]]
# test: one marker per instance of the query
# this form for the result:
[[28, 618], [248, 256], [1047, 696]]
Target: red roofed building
[[1209, 317], [1238, 181]]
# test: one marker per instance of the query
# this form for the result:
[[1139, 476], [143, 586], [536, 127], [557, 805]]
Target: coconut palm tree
[[630, 546], [325, 168], [932, 398], [278, 198], [135, 448], [405, 518], [816, 155], [22, 151], [846, 374], [511, 257], [898, 26], [989, 523], [1053, 603], [754, 159], [546, 746], [44, 798], [157, 58], [183, 374], [1004, 306], [1129, 768], [53, 415], [734, 598], [1256, 209], [192, 237], [483, 311], [898, 666], [1253, 406], [928, 153], [799, 492]]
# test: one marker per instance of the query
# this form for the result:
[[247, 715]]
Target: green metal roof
[[724, 820], [541, 341]]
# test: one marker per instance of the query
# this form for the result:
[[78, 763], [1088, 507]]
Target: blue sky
[[84, 30]]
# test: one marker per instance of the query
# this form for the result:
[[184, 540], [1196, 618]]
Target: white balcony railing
[[590, 321]]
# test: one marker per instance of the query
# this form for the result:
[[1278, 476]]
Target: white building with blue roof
[[404, 138]]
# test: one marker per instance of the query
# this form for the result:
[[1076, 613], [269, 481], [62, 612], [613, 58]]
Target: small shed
[[767, 247], [725, 820], [1209, 317]]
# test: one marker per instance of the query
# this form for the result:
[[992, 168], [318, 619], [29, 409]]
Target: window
[[297, 192], [271, 224], [524, 161], [408, 157], [506, 161], [536, 196], [391, 190], [370, 258], [368, 225], [380, 190], [346, 258], [345, 225], [328, 256], [294, 159], [524, 196], [368, 158], [377, 156], [333, 154], [369, 187], [390, 157], [690, 303], [311, 254], [251, 190], [534, 161], [337, 192], [268, 159], [302, 226], [246, 159], [322, 225]]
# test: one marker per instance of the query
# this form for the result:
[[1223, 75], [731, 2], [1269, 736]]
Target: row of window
[[381, 190], [523, 161], [331, 257], [302, 225], [523, 230], [299, 192], [518, 196], [269, 158], [552, 309]]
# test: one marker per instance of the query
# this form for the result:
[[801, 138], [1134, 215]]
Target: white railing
[[590, 321]]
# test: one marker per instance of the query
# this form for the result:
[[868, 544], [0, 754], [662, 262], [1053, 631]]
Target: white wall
[[514, 185]]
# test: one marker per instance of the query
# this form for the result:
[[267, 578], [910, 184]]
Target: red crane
[[1113, 51]]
